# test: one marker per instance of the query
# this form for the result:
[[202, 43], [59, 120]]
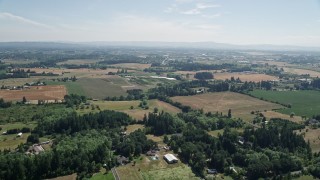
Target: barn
[[170, 158]]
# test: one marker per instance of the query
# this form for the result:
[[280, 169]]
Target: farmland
[[241, 105], [35, 93], [303, 103]]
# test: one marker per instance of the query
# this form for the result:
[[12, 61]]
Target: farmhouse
[[170, 158], [19, 134]]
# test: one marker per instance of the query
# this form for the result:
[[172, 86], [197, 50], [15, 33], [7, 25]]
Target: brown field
[[35, 93], [240, 105], [273, 114], [302, 71], [132, 66], [245, 77], [313, 136], [79, 62]]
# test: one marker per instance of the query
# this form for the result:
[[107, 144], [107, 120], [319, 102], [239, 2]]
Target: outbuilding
[[170, 158]]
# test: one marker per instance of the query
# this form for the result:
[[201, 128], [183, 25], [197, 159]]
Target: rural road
[[115, 174]]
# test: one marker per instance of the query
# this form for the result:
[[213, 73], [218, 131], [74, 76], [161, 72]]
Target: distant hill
[[200, 45]]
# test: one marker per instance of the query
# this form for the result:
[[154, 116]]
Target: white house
[[19, 134]]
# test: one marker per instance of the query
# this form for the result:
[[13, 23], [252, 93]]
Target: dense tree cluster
[[4, 104], [163, 123], [75, 123], [203, 75], [74, 100], [186, 66]]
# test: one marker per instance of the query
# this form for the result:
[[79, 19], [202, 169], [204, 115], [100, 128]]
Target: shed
[[19, 134], [170, 158]]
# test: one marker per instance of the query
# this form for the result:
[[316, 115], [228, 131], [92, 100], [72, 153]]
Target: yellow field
[[240, 105]]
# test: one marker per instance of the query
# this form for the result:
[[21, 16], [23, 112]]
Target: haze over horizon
[[286, 22]]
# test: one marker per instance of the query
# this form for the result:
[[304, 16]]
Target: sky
[[278, 22]]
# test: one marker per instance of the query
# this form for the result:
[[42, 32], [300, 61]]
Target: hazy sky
[[285, 22]]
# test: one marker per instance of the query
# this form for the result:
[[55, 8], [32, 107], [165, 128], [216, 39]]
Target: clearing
[[313, 136], [240, 105], [303, 103]]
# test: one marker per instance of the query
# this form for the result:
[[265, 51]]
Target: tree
[[24, 99], [229, 113]]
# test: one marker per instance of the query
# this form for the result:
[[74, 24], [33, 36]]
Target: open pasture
[[35, 93], [313, 136], [240, 105]]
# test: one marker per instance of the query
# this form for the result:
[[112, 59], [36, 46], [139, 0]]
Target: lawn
[[302, 102], [240, 105]]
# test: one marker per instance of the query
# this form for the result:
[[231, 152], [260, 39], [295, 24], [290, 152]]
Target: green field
[[303, 103]]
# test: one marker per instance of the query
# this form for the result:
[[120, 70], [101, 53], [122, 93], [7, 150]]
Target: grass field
[[68, 177], [240, 105], [302, 102], [216, 133], [11, 141], [101, 88], [125, 106]]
